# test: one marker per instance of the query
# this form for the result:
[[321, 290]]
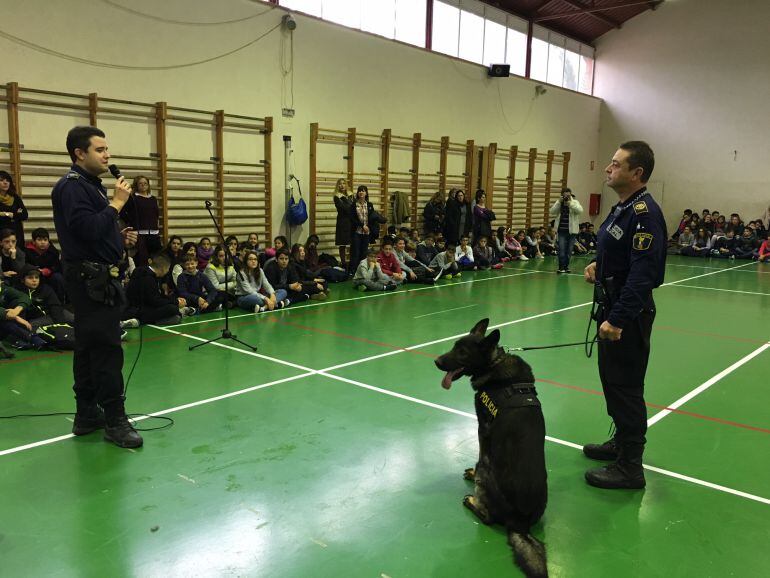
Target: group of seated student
[[712, 235]]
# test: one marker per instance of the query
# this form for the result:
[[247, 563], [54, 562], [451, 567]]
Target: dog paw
[[469, 502], [470, 474]]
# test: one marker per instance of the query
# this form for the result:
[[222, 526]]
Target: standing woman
[[360, 215], [459, 219], [141, 213], [342, 231], [482, 218], [433, 214], [12, 209]]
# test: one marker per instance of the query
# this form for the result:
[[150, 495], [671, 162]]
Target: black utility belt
[[101, 282]]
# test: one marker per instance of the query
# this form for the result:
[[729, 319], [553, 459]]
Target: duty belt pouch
[[101, 283]]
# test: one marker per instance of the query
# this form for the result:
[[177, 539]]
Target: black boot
[[88, 418], [120, 432], [626, 473], [608, 451]]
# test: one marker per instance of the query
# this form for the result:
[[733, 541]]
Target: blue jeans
[[565, 242], [249, 302]]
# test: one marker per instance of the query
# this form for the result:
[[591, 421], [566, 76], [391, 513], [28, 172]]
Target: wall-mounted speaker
[[499, 70]]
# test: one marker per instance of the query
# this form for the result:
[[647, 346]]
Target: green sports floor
[[333, 451]]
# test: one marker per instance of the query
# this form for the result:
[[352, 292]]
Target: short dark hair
[[189, 258], [371, 253], [40, 233], [281, 251], [161, 259], [640, 155], [387, 240], [5, 233], [80, 138]]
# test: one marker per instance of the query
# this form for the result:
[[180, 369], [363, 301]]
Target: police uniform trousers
[[622, 367], [98, 357]]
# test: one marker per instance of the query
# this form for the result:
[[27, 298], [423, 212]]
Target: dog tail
[[529, 554]]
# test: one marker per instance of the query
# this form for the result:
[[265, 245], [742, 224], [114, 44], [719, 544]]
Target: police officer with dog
[[630, 263], [92, 244]]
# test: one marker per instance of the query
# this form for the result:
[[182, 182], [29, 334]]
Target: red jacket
[[388, 263]]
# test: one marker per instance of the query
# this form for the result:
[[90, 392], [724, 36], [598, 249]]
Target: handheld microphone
[[115, 171]]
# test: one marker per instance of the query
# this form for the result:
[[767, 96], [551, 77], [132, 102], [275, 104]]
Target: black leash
[[533, 348]]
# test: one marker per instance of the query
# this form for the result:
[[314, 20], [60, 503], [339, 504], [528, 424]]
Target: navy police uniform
[[630, 263], [91, 245]]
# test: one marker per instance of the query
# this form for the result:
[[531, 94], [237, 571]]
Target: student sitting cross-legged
[[388, 262], [464, 255], [222, 277], [284, 275], [45, 307], [196, 289], [13, 305], [315, 286], [484, 256], [254, 290], [369, 275], [427, 250], [444, 263], [415, 271], [147, 302]]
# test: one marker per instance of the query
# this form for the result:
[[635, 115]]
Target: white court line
[[716, 268], [717, 272], [704, 386], [445, 311], [372, 296], [53, 440], [669, 473], [719, 289]]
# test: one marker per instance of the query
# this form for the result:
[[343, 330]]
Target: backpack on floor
[[58, 336]]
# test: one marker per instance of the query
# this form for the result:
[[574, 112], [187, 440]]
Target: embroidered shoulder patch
[[642, 241], [640, 207], [73, 175]]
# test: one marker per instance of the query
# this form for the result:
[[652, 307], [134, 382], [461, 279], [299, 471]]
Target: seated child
[[323, 265], [701, 246], [484, 255], [444, 263], [282, 274], [205, 250], [464, 255], [188, 249], [147, 302], [221, 277], [11, 259], [196, 289], [746, 247], [252, 243], [268, 256], [415, 271], [427, 250], [45, 307], [514, 245], [388, 262], [499, 245], [724, 246], [13, 305], [686, 239], [532, 249], [369, 275], [764, 252], [231, 244], [315, 286], [254, 290], [43, 255]]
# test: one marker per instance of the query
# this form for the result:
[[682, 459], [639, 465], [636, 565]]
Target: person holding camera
[[630, 263], [92, 245], [566, 211]]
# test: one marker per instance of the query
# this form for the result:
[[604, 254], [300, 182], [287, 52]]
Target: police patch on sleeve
[[642, 241], [640, 207]]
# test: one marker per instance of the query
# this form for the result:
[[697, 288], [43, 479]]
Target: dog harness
[[490, 401]]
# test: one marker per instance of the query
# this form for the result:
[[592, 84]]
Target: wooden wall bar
[[179, 181]]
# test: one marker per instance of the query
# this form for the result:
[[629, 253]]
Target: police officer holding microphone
[[92, 242], [630, 263]]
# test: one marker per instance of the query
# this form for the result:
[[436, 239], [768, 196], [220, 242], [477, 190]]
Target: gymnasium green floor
[[334, 451]]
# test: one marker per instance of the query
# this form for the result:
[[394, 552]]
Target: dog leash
[[532, 348]]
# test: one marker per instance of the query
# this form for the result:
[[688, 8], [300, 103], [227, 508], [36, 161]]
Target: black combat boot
[[120, 432], [607, 452], [88, 418], [624, 474]]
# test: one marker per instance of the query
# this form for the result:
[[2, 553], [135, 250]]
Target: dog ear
[[492, 339], [480, 328]]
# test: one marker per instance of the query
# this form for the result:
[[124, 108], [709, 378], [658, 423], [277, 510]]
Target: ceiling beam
[[606, 19], [542, 6], [593, 11]]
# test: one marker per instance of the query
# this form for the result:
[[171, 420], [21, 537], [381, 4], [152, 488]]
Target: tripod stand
[[226, 333]]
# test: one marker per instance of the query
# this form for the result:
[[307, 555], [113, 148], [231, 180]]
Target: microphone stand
[[226, 333]]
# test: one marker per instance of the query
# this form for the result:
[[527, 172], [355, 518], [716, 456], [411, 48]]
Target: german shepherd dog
[[510, 476]]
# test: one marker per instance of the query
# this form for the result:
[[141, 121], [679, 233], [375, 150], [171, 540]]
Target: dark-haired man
[[92, 244], [630, 263]]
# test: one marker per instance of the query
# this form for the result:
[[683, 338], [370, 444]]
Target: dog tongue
[[446, 383]]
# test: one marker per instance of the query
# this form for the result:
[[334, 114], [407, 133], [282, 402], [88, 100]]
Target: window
[[539, 66], [446, 28], [379, 17], [471, 36], [586, 76], [555, 60], [410, 21], [516, 45], [403, 20], [571, 70], [494, 43]]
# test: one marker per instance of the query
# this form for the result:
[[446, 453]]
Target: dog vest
[[490, 402]]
